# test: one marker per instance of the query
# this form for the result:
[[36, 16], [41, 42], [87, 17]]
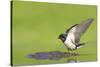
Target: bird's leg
[[69, 51]]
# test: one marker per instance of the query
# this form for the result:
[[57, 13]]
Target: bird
[[71, 37]]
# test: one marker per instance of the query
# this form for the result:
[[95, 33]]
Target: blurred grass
[[36, 27]]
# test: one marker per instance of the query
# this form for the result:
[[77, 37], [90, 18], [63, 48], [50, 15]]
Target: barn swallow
[[71, 37]]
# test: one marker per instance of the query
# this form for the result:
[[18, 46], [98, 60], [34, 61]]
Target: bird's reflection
[[54, 55]]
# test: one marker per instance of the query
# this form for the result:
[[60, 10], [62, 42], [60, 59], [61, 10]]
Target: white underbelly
[[70, 45], [69, 42]]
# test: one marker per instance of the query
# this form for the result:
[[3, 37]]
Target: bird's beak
[[58, 37]]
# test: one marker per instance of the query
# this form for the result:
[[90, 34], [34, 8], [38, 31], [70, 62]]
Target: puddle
[[52, 55]]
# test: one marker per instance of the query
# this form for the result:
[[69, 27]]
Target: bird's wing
[[80, 29], [67, 31]]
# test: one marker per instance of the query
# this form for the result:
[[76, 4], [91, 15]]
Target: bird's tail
[[80, 45]]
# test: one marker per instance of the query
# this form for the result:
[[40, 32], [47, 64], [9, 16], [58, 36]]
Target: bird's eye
[[62, 38]]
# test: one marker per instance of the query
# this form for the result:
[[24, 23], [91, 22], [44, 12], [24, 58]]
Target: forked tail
[[80, 45]]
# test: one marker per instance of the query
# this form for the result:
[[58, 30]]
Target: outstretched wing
[[67, 31], [80, 29]]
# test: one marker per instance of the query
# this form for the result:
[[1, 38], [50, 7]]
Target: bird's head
[[62, 37]]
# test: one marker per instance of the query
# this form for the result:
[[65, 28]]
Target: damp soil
[[52, 55]]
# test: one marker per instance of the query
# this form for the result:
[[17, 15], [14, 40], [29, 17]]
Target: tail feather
[[80, 45]]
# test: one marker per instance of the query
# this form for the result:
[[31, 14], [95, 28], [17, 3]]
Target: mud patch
[[52, 55]]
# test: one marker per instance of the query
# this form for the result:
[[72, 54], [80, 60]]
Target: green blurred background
[[37, 25]]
